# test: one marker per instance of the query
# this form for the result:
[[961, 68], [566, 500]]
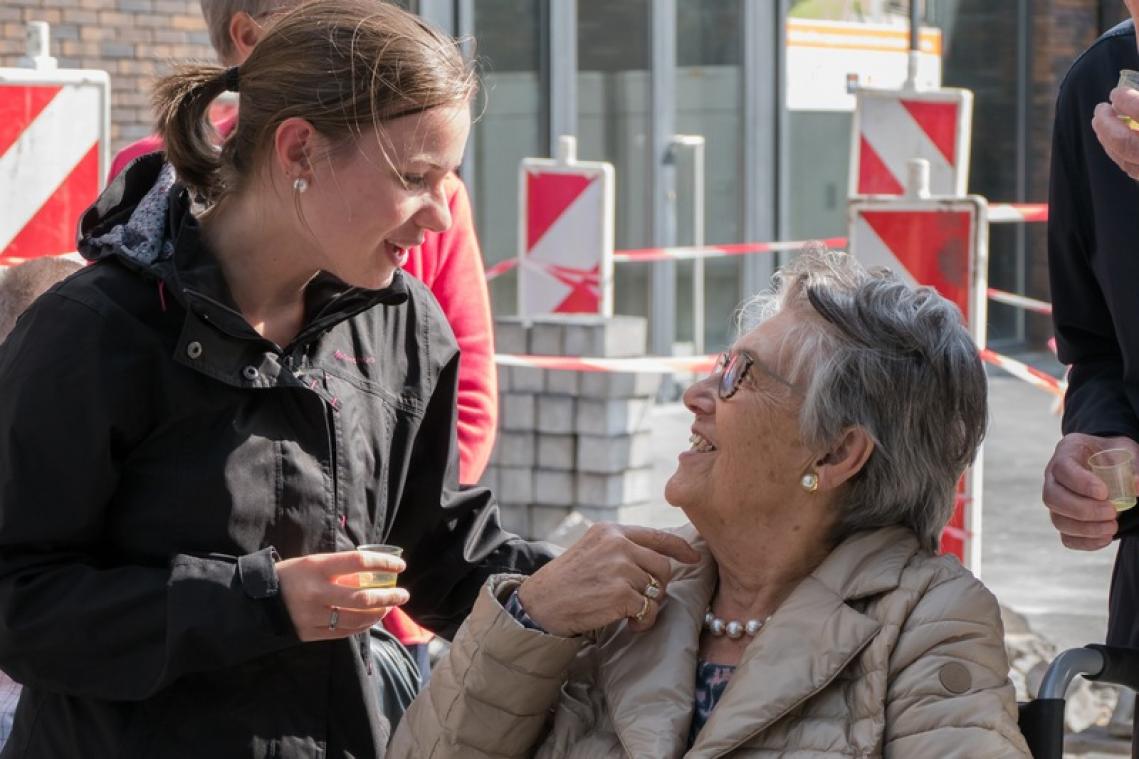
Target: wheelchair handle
[[1120, 666], [1087, 661]]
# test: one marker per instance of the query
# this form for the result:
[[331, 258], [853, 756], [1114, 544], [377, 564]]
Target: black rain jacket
[[157, 456]]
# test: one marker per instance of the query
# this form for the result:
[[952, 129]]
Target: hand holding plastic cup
[[379, 578], [1115, 467]]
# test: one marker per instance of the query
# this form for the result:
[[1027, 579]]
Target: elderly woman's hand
[[603, 578]]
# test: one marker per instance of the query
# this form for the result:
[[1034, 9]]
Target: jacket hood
[[130, 219]]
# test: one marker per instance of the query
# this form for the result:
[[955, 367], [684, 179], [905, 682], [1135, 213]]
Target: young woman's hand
[[322, 596]]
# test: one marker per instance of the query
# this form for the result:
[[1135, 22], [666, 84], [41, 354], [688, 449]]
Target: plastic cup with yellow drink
[[379, 578], [1115, 467], [1130, 80]]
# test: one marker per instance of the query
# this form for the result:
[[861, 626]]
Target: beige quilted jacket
[[882, 650]]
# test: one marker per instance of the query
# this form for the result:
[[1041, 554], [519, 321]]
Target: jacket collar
[[649, 679]]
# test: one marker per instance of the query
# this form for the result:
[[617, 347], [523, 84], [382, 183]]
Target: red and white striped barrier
[[1029, 374], [54, 127]]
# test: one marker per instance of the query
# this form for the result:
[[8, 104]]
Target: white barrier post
[[565, 234]]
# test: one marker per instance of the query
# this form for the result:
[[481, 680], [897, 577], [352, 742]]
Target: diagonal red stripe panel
[[584, 296], [19, 106], [51, 230], [549, 196], [874, 178], [933, 246], [939, 122]]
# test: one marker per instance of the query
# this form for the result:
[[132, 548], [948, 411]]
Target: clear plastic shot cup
[[379, 578], [1116, 468], [1129, 79]]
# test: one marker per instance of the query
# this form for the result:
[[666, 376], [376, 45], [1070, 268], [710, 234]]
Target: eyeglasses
[[733, 366]]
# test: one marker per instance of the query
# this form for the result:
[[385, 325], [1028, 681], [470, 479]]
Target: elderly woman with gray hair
[[818, 619]]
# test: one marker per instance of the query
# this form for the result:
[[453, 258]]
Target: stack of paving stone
[[572, 440]]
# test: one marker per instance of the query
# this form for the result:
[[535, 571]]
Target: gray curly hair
[[895, 360]]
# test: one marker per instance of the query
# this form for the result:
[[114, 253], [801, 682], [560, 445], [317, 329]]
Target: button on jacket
[[157, 456]]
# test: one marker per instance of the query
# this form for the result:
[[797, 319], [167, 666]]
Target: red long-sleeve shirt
[[450, 263]]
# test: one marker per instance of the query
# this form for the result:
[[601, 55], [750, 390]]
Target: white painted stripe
[[32, 170], [896, 137]]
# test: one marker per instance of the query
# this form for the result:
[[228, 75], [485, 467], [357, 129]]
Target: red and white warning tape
[[1012, 213], [1029, 374], [999, 213], [1020, 301], [704, 364], [691, 253], [647, 364]]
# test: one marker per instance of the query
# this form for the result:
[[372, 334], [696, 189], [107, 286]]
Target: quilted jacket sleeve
[[949, 693], [492, 695]]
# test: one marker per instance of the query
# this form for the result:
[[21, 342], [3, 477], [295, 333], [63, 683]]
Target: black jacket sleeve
[[452, 533], [76, 616]]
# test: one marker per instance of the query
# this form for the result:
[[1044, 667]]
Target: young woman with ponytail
[[200, 427]]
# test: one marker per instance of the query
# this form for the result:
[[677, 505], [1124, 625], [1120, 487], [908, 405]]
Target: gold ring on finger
[[652, 590], [640, 615]]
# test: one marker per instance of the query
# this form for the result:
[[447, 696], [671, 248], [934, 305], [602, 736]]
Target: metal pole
[[38, 47], [563, 69], [764, 117], [915, 45], [662, 171], [696, 143], [1023, 93]]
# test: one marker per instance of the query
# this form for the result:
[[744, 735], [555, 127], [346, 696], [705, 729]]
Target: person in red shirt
[[450, 263]]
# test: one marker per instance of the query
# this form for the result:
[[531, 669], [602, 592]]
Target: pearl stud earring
[[300, 184], [810, 482]]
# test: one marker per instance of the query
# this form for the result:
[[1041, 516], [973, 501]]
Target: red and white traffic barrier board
[[941, 243], [54, 129], [565, 235], [893, 126]]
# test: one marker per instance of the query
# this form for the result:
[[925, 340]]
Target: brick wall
[[132, 40]]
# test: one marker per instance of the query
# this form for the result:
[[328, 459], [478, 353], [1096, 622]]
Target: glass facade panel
[[614, 108], [709, 102], [510, 125]]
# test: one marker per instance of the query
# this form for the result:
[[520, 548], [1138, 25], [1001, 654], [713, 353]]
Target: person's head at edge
[[353, 113], [235, 26], [860, 401]]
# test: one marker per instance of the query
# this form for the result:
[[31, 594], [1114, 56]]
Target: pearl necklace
[[733, 628]]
